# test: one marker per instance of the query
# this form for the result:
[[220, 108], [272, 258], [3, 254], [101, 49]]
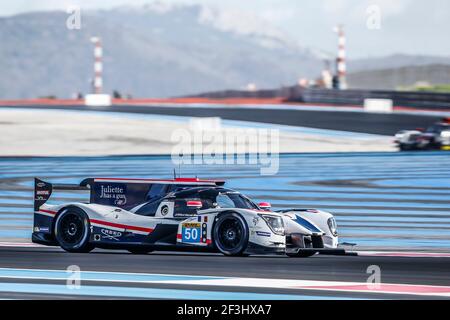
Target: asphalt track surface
[[398, 201], [354, 121], [417, 271]]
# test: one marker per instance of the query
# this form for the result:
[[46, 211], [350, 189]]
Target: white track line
[[20, 245], [400, 254], [228, 282]]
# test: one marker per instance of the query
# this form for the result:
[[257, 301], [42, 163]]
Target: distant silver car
[[436, 137]]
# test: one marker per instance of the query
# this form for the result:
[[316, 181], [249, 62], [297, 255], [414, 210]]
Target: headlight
[[275, 223], [333, 226]]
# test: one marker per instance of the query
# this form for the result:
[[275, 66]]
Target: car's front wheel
[[72, 230], [231, 234]]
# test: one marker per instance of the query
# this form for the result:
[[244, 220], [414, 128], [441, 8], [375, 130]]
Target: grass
[[440, 88]]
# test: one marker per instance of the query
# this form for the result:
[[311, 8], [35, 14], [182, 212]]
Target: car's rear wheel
[[231, 234], [72, 230]]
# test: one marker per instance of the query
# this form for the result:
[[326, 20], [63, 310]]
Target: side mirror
[[193, 204], [265, 205]]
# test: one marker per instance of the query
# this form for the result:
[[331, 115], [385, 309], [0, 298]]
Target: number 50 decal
[[191, 233]]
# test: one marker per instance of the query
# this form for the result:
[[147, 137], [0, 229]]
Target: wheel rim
[[230, 233], [71, 229]]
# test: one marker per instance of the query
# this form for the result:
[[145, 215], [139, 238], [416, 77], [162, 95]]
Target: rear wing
[[43, 190], [118, 192]]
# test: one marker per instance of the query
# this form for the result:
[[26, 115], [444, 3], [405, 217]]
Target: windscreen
[[234, 200]]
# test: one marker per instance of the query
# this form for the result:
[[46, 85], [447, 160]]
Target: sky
[[373, 27]]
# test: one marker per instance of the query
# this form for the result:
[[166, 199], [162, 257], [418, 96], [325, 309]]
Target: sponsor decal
[[183, 215], [263, 234], [121, 200], [110, 234], [255, 221], [191, 232], [116, 193], [164, 210], [42, 193], [191, 225]]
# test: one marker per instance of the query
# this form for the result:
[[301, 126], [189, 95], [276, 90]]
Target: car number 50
[[191, 234]]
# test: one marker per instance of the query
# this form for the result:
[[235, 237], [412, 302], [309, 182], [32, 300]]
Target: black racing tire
[[140, 250], [72, 230], [301, 254], [231, 234]]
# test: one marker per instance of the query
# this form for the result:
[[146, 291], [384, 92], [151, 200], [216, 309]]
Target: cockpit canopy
[[210, 197]]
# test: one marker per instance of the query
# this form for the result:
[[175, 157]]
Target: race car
[[436, 137], [143, 215]]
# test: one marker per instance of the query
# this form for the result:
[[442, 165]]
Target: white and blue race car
[[143, 215]]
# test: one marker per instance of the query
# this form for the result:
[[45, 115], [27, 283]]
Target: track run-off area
[[394, 206]]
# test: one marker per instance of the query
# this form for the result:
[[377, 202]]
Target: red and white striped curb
[[387, 288], [332, 286]]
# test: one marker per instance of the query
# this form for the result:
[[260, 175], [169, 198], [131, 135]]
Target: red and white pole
[[98, 65], [341, 58]]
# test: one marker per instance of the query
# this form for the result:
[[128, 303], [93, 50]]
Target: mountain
[[395, 61], [397, 78], [157, 50], [161, 50]]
